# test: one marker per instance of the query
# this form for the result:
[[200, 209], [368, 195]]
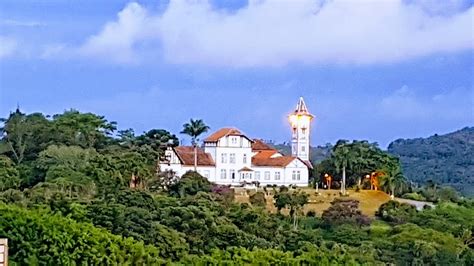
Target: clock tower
[[300, 121]]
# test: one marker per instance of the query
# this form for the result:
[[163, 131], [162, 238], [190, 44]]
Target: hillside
[[370, 200], [317, 154], [445, 159]]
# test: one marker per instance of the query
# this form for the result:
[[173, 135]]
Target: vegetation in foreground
[[65, 198]]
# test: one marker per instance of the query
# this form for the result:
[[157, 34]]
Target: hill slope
[[445, 159]]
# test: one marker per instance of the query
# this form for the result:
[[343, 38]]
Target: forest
[[74, 189], [443, 159]]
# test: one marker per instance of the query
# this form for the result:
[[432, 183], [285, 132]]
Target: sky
[[375, 70]]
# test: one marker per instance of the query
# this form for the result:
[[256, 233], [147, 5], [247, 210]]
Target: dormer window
[[233, 140]]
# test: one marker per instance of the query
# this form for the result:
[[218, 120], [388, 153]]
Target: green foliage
[[9, 176], [82, 129], [413, 196], [71, 193], [50, 239], [258, 199], [444, 159], [194, 129], [357, 159], [396, 212], [190, 184]]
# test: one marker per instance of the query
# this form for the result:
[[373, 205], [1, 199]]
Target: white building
[[229, 157]]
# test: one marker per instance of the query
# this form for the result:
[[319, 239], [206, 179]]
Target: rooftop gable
[[223, 132], [186, 156]]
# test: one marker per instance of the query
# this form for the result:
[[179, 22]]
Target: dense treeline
[[442, 159], [71, 193]]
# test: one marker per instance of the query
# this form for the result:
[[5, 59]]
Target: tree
[[344, 211], [343, 158], [194, 129], [190, 184], [68, 242], [82, 129], [24, 136], [9, 176], [294, 200]]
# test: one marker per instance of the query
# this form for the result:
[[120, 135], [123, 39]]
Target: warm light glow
[[301, 121], [326, 175]]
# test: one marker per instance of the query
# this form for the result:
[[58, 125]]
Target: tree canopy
[[72, 192]]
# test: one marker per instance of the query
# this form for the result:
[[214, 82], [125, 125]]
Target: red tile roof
[[280, 161], [259, 145], [186, 156], [265, 154], [227, 131]]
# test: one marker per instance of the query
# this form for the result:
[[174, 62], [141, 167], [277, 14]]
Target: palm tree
[[343, 159], [391, 179], [194, 129]]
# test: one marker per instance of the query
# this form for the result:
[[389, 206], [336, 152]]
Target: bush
[[258, 199], [413, 196], [190, 184], [37, 236], [396, 212], [344, 211]]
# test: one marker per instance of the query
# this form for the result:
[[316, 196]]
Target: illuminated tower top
[[300, 121]]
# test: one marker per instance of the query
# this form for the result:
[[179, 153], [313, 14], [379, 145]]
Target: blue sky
[[376, 70]]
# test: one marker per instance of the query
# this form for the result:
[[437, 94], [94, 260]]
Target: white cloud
[[117, 39], [8, 46], [274, 33]]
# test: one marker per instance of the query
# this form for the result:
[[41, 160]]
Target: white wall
[[297, 166], [238, 146]]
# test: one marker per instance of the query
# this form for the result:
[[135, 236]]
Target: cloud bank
[[276, 33]]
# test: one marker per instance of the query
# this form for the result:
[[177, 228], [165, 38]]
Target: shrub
[[190, 184], [37, 236], [344, 211], [258, 199], [396, 212], [413, 196]]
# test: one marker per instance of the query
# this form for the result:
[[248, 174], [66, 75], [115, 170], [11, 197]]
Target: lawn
[[369, 200]]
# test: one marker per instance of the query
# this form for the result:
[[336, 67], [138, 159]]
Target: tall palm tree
[[194, 129], [344, 158]]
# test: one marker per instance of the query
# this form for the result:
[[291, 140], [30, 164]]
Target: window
[[232, 173], [267, 175], [224, 158], [303, 149], [232, 158], [296, 175], [277, 175], [257, 175], [233, 140], [245, 158], [223, 174]]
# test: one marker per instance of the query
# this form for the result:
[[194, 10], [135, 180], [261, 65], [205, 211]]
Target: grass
[[369, 200]]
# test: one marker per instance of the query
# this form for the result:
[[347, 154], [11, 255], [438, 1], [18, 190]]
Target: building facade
[[229, 157]]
